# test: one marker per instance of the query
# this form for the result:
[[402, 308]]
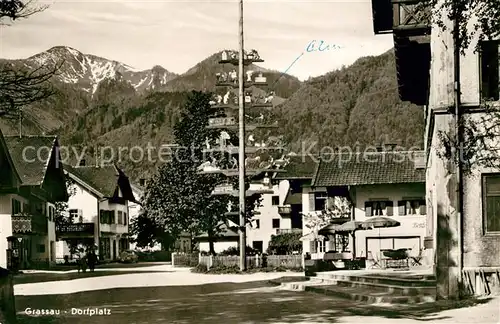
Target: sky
[[177, 34]]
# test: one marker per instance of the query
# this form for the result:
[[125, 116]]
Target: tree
[[339, 208], [147, 232], [285, 243], [178, 198], [474, 17], [61, 213], [476, 144], [19, 85]]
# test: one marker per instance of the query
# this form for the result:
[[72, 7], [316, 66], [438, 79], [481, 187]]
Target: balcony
[[113, 228], [29, 224], [280, 231], [412, 16], [78, 228], [284, 210]]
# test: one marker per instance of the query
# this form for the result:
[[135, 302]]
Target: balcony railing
[[29, 224], [288, 230], [411, 14], [78, 228], [284, 210]]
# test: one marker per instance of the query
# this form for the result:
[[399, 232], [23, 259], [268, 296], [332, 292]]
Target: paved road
[[183, 297]]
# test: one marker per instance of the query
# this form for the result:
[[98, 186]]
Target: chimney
[[82, 162], [419, 160], [142, 182]]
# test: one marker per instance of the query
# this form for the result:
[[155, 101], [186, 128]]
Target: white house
[[100, 208], [31, 182], [390, 184]]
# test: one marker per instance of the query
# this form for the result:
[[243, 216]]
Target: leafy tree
[[179, 198], [340, 208], [475, 145], [148, 233], [61, 213], [285, 243], [20, 86]]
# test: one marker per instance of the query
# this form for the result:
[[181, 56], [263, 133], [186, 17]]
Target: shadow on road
[[254, 302]]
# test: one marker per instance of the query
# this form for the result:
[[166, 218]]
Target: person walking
[[92, 260]]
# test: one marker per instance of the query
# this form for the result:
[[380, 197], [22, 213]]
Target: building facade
[[463, 225], [366, 185], [99, 207], [32, 182]]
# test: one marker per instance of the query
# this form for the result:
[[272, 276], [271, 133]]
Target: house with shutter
[[31, 183], [99, 207], [385, 183]]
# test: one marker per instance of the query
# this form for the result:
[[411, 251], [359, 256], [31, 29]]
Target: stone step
[[368, 295], [380, 279], [393, 289]]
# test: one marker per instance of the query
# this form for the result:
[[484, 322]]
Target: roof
[[299, 167], [5, 150], [31, 156], [104, 180], [369, 168]]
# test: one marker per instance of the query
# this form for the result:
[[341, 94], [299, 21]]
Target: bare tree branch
[[18, 9]]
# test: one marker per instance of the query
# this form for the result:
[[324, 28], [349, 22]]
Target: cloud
[[148, 32]]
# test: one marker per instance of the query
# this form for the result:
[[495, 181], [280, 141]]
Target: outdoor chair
[[375, 263]]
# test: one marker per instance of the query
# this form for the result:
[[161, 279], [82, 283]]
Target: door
[[375, 245], [52, 251], [114, 249]]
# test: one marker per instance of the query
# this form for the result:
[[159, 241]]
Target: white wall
[[5, 227], [268, 212], [410, 225]]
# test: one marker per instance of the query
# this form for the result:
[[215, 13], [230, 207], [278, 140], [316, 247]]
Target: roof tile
[[369, 168]]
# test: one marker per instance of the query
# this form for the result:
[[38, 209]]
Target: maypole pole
[[241, 160]]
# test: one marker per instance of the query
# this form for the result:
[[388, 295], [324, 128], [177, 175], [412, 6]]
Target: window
[[120, 217], [321, 246], [491, 203], [107, 216], [489, 70], [16, 207], [76, 213], [377, 207], [320, 200], [258, 245], [412, 206], [257, 223], [275, 200], [276, 223]]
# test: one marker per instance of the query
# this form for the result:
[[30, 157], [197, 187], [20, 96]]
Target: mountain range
[[101, 102]]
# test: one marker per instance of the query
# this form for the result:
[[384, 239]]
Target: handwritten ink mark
[[289, 67]]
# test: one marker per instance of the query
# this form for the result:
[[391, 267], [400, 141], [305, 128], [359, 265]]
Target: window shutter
[[124, 218], [368, 208], [313, 246], [330, 203], [423, 207], [390, 206], [401, 207], [312, 204]]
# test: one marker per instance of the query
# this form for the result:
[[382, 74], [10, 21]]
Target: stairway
[[394, 288]]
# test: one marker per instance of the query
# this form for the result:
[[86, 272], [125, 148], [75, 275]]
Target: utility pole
[[241, 160]]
